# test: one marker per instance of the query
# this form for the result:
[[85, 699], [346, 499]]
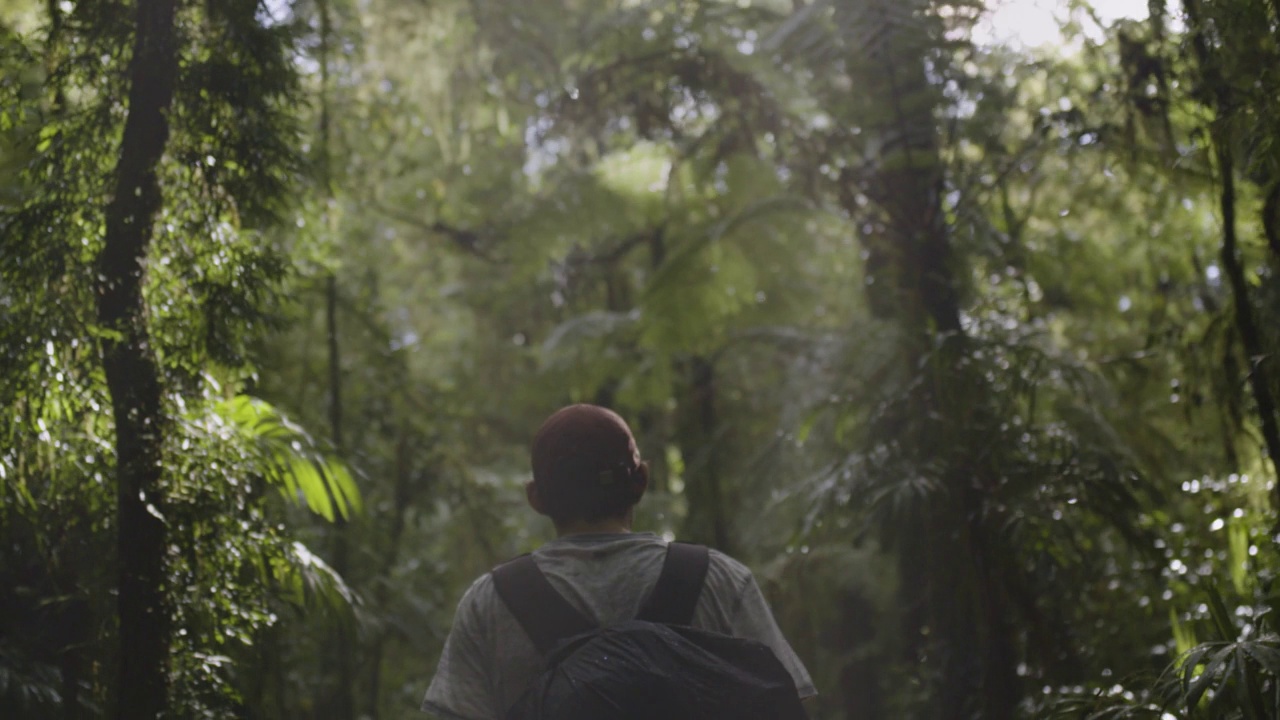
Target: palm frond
[[292, 459], [307, 581]]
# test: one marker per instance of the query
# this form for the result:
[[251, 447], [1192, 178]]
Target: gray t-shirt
[[488, 660]]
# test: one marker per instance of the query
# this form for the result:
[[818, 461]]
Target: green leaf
[[1197, 687], [295, 463], [1221, 616], [1238, 553], [1184, 636]]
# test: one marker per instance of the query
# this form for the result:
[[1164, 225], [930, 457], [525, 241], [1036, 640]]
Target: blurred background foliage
[[966, 346]]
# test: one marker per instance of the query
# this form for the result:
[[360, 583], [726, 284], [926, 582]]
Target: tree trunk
[[951, 596], [342, 705], [697, 436], [1001, 686], [860, 677], [71, 630], [132, 372], [1246, 324], [402, 499], [1271, 221]]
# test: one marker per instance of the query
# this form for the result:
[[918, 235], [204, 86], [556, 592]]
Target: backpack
[[654, 667]]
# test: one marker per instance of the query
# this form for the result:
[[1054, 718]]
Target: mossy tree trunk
[[131, 368], [1221, 100], [954, 604], [698, 437]]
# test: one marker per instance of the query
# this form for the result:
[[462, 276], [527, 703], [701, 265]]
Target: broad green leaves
[[292, 459]]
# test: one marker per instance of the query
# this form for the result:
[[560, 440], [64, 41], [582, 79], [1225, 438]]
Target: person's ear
[[535, 500], [641, 482]]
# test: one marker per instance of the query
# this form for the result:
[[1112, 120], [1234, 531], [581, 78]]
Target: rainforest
[[963, 338]]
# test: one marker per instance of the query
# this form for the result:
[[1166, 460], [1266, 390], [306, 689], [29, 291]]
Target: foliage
[[231, 567], [944, 338], [1233, 675]]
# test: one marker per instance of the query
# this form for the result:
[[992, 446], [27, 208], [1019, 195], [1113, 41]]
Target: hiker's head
[[586, 467]]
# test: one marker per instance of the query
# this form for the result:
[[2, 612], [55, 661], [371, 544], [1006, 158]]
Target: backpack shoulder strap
[[545, 615], [675, 596]]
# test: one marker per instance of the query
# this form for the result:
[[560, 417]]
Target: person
[[587, 477]]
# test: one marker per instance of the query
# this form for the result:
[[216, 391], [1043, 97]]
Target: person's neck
[[608, 526]]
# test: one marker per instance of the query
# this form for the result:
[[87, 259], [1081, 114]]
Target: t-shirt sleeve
[[752, 619], [461, 688]]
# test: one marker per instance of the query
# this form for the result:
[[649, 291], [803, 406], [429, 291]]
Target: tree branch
[[617, 252], [469, 241]]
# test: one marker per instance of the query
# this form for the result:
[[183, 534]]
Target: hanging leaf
[[303, 471]]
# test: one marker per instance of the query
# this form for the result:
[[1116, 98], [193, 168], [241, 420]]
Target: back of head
[[586, 466]]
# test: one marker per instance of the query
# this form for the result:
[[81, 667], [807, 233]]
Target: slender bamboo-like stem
[[343, 703], [402, 501]]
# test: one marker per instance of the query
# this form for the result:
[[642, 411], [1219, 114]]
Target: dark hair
[[586, 466]]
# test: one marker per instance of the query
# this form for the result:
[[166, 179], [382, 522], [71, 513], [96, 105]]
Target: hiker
[[588, 477]]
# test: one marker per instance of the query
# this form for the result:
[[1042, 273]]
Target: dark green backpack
[[654, 667]]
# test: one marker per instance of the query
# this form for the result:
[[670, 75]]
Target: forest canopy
[[967, 346]]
